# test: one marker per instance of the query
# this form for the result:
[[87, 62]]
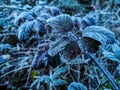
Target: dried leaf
[[71, 51]]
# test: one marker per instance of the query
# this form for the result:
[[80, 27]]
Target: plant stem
[[50, 88], [99, 64], [105, 71]]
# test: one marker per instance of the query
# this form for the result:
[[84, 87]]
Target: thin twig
[[14, 71], [7, 34], [13, 7]]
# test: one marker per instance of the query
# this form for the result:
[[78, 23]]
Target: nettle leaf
[[59, 82], [93, 36], [58, 45], [100, 34], [25, 31], [76, 86], [59, 71], [62, 22]]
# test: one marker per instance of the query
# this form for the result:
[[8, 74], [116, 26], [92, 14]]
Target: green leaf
[[33, 74], [59, 82], [59, 71]]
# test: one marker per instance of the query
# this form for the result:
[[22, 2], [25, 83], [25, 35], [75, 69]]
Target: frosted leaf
[[42, 59], [87, 21], [61, 22], [100, 34], [58, 46], [71, 51], [59, 82], [23, 17], [39, 26], [93, 36], [76, 86], [25, 31], [54, 11], [37, 10]]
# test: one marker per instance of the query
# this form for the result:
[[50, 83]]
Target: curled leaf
[[100, 34], [93, 36]]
